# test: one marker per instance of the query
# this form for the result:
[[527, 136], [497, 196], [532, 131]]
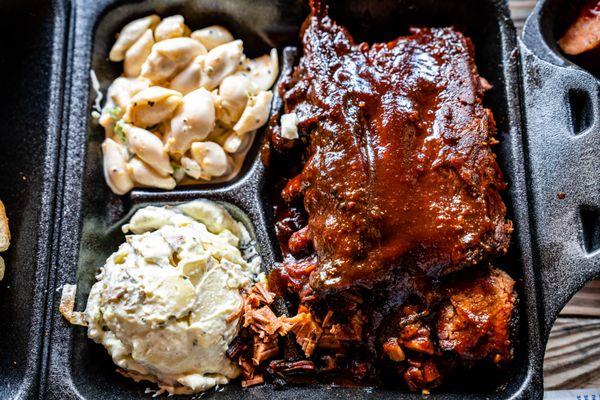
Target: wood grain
[[519, 10], [572, 358], [573, 354], [586, 303]]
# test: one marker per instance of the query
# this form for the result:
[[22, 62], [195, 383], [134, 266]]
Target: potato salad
[[186, 108], [167, 303]]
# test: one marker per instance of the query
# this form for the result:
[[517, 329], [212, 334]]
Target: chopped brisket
[[474, 321]]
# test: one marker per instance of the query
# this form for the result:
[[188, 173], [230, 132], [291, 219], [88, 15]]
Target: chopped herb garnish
[[115, 113], [120, 131]]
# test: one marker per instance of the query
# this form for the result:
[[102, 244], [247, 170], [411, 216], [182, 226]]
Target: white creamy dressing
[[166, 305]]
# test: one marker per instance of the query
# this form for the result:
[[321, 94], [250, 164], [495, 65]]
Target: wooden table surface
[[573, 352]]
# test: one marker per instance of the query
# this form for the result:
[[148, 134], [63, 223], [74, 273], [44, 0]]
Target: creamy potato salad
[[185, 109], [167, 303]]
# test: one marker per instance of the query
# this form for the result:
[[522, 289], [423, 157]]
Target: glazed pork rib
[[399, 169], [388, 195]]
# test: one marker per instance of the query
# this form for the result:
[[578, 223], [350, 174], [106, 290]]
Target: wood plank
[[519, 11], [572, 358], [573, 354], [585, 303]]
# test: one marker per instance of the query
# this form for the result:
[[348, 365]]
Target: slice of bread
[[4, 230]]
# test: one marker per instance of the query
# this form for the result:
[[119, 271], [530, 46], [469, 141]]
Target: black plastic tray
[[31, 39], [554, 246]]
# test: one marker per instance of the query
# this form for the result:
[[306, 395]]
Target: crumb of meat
[[393, 350], [262, 320], [67, 305], [422, 374], [264, 350], [307, 330]]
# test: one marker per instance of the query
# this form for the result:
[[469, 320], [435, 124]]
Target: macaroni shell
[[194, 120], [211, 157], [221, 62], [189, 79], [115, 172], [234, 93], [152, 106], [212, 36], [255, 114], [262, 71], [170, 56], [143, 174], [149, 148], [123, 89], [171, 27], [235, 142], [130, 34], [191, 167], [137, 54]]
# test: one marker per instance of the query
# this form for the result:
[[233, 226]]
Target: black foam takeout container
[[547, 117]]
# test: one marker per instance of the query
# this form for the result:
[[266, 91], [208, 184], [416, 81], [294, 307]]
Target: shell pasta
[[186, 107]]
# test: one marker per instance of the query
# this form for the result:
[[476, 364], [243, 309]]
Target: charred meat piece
[[584, 34], [422, 374], [399, 169], [474, 322]]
